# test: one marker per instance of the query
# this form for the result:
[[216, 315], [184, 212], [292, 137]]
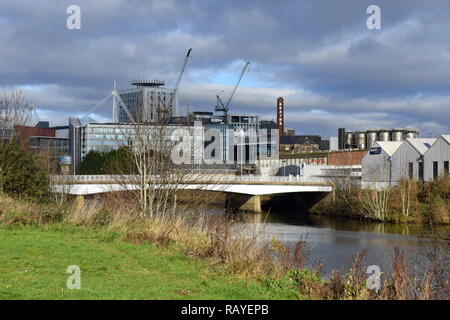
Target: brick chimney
[[280, 116]]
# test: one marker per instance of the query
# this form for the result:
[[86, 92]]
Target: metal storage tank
[[361, 139], [372, 137], [349, 138], [384, 135], [354, 139], [412, 134], [397, 135]]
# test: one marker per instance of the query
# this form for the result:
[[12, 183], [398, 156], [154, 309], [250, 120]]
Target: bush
[[21, 174], [117, 161], [15, 212]]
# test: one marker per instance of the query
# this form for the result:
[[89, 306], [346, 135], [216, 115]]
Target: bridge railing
[[93, 177], [197, 178], [257, 178]]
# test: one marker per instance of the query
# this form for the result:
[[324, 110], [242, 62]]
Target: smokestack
[[280, 116], [341, 138]]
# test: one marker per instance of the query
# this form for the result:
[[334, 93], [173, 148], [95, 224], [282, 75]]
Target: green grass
[[33, 263]]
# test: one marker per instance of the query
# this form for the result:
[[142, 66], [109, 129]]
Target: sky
[[318, 54]]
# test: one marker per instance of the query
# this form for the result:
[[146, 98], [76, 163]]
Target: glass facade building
[[242, 137], [147, 102]]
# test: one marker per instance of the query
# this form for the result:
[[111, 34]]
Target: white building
[[408, 160], [377, 166], [388, 163], [437, 159]]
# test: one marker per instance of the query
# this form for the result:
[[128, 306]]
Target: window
[[421, 171], [446, 172], [435, 170], [411, 170]]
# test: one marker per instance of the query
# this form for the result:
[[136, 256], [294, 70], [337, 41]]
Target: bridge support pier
[[79, 202], [244, 202]]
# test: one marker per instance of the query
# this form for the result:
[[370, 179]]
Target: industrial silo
[[397, 135], [384, 135], [361, 139], [372, 137], [350, 139], [411, 134]]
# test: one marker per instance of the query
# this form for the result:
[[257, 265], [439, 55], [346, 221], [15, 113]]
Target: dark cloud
[[319, 55]]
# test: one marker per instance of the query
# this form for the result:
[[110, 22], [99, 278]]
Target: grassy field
[[33, 263]]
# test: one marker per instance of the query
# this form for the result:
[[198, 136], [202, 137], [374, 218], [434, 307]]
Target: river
[[334, 240]]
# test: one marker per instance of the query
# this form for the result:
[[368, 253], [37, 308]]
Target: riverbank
[[124, 256], [34, 262], [408, 202]]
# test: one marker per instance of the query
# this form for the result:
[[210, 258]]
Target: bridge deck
[[248, 185]]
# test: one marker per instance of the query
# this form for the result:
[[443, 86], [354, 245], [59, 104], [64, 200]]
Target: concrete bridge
[[242, 192]]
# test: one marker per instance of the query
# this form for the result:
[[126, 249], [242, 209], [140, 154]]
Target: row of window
[[421, 170]]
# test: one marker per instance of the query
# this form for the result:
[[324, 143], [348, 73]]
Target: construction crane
[[188, 55], [117, 100], [174, 91], [225, 107]]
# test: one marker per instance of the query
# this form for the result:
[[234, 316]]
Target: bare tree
[[375, 197], [151, 176], [408, 194], [15, 112]]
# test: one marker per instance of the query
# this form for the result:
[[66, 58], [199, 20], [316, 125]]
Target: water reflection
[[335, 240]]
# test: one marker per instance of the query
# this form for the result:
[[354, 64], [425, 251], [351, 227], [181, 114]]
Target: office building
[[240, 133], [147, 102]]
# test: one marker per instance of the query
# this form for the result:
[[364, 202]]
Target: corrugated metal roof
[[389, 147], [446, 137], [421, 144]]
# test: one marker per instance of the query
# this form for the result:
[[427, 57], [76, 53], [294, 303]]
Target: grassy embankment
[[407, 202], [125, 257], [34, 261]]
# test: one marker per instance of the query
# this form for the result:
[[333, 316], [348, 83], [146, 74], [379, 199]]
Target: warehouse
[[437, 159], [408, 160], [389, 162], [377, 165]]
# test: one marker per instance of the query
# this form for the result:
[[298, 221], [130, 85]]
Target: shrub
[[117, 161], [21, 173], [14, 212]]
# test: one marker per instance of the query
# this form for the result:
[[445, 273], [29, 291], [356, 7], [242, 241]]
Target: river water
[[334, 240]]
